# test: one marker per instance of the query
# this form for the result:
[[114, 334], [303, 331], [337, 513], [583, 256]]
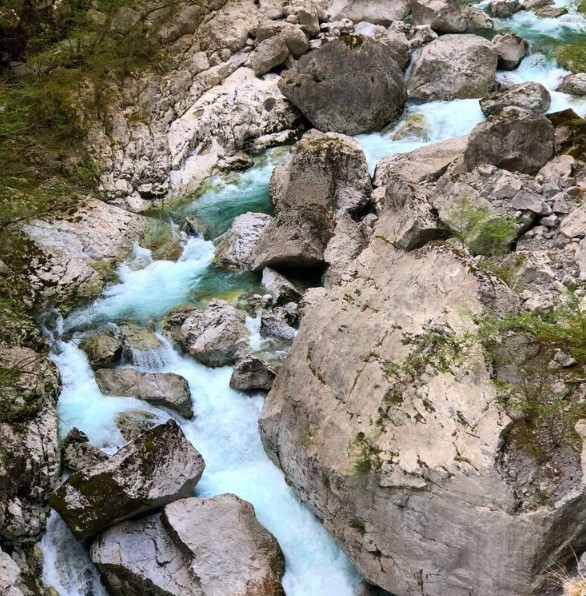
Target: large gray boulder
[[159, 389], [444, 16], [10, 579], [315, 195], [103, 349], [529, 96], [159, 467], [79, 454], [279, 287], [252, 374], [574, 84], [454, 67], [377, 12], [216, 335], [236, 250], [365, 94], [518, 140], [194, 548], [511, 50], [268, 54]]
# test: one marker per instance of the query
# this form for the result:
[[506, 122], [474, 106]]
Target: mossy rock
[[570, 133], [572, 56], [162, 240]]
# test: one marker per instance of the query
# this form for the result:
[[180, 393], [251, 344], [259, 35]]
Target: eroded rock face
[[454, 66], [201, 548], [529, 96], [366, 94], [159, 467], [279, 287], [315, 195], [216, 335], [517, 140], [160, 389], [445, 16]]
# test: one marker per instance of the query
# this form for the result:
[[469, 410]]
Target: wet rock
[[378, 12], [324, 184], [477, 18], [275, 326], [214, 336], [252, 374], [454, 67], [132, 423], [159, 389], [530, 96], [160, 466], [10, 579], [444, 16], [503, 9], [103, 349], [236, 251], [574, 84], [516, 140], [136, 340], [511, 50], [279, 287], [268, 54], [79, 454], [367, 94]]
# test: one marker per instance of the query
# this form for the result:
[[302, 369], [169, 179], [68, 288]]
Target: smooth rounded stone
[[252, 374], [529, 96], [216, 335], [516, 139], [444, 16], [159, 467], [511, 50], [325, 181], [503, 9], [228, 549], [575, 84], [279, 287], [292, 35], [78, 453], [365, 95], [159, 389], [132, 423], [377, 12], [454, 67], [477, 18], [103, 350], [10, 579], [236, 251], [268, 54]]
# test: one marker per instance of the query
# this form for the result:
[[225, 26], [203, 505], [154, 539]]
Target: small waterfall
[[253, 326], [153, 360]]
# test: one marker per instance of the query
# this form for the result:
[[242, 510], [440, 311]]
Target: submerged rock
[[103, 349], [444, 16], [201, 547], [454, 67], [365, 95], [518, 140], [159, 467], [529, 96], [159, 389], [252, 374]]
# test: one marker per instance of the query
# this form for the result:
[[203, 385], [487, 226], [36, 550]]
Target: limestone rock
[[236, 251], [275, 326], [132, 423], [252, 374], [511, 50], [159, 389], [214, 336], [279, 287], [365, 95], [454, 66], [229, 28], [159, 467], [378, 12], [268, 54], [10, 580], [326, 181], [530, 96], [516, 140], [444, 16], [574, 84], [103, 349], [79, 454], [503, 9], [398, 45], [477, 18]]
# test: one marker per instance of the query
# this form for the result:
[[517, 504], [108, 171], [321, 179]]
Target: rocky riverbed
[[320, 327]]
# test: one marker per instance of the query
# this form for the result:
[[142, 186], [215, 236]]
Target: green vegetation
[[572, 56], [367, 457]]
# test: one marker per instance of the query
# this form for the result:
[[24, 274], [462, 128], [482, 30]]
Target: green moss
[[353, 40]]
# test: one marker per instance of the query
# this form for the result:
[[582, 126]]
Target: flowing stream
[[225, 427]]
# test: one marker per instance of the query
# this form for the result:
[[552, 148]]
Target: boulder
[[365, 95], [575, 84], [291, 35], [236, 251], [10, 580], [229, 28], [137, 341], [444, 16], [378, 12], [268, 54], [551, 12], [511, 50], [214, 336], [398, 45], [454, 67], [503, 9], [529, 96], [325, 182], [132, 423], [275, 326], [201, 547], [159, 467], [517, 140], [79, 454], [252, 374], [103, 349], [279, 287], [159, 389], [477, 19]]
